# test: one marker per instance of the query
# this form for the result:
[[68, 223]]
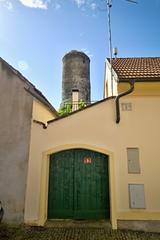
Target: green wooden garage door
[[78, 185]]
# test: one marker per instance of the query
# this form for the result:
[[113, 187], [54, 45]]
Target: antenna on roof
[[115, 52], [109, 6]]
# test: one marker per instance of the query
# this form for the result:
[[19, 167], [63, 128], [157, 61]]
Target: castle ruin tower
[[76, 77]]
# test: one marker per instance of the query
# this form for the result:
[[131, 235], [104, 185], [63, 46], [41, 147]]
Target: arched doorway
[[78, 185]]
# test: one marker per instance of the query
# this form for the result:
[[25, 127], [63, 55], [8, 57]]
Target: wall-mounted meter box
[[133, 160], [136, 196]]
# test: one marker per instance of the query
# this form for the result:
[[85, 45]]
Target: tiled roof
[[141, 69]]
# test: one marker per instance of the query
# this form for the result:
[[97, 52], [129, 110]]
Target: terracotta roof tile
[[147, 68]]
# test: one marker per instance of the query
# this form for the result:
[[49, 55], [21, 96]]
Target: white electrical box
[[133, 160], [136, 196]]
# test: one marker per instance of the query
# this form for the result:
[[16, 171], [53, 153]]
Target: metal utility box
[[136, 196], [133, 160]]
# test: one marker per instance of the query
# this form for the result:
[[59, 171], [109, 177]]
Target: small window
[[133, 160], [136, 196]]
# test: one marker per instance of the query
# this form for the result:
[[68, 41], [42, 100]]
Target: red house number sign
[[87, 160]]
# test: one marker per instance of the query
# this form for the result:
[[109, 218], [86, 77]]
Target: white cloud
[[23, 65], [42, 4], [7, 4], [86, 4], [80, 2], [93, 6]]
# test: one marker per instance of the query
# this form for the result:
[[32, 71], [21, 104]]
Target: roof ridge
[[133, 58]]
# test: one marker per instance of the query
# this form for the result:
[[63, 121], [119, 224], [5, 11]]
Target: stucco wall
[[41, 112], [95, 128], [141, 88], [15, 123]]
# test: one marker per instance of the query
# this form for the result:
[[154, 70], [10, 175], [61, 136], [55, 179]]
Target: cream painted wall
[[142, 88], [41, 112], [95, 128]]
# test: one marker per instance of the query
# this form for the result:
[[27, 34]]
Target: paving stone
[[72, 233]]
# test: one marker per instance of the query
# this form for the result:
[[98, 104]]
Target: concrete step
[[56, 223]]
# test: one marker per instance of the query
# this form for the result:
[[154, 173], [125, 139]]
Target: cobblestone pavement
[[60, 232]]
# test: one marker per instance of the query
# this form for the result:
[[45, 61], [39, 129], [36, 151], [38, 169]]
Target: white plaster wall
[[108, 82]]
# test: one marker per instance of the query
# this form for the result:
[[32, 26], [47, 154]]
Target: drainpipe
[[131, 82]]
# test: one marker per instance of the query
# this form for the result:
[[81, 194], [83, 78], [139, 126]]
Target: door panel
[[90, 195], [60, 204], [78, 185]]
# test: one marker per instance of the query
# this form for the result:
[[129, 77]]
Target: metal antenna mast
[[109, 5]]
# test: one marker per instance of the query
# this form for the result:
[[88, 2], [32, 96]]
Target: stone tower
[[76, 77]]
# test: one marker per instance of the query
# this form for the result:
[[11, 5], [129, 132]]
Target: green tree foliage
[[67, 108], [81, 104]]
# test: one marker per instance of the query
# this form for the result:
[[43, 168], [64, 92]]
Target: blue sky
[[35, 35]]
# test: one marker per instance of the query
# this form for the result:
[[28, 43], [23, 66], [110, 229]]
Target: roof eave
[[146, 80], [41, 99]]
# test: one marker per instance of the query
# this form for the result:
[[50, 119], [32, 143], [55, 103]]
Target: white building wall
[[108, 82]]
